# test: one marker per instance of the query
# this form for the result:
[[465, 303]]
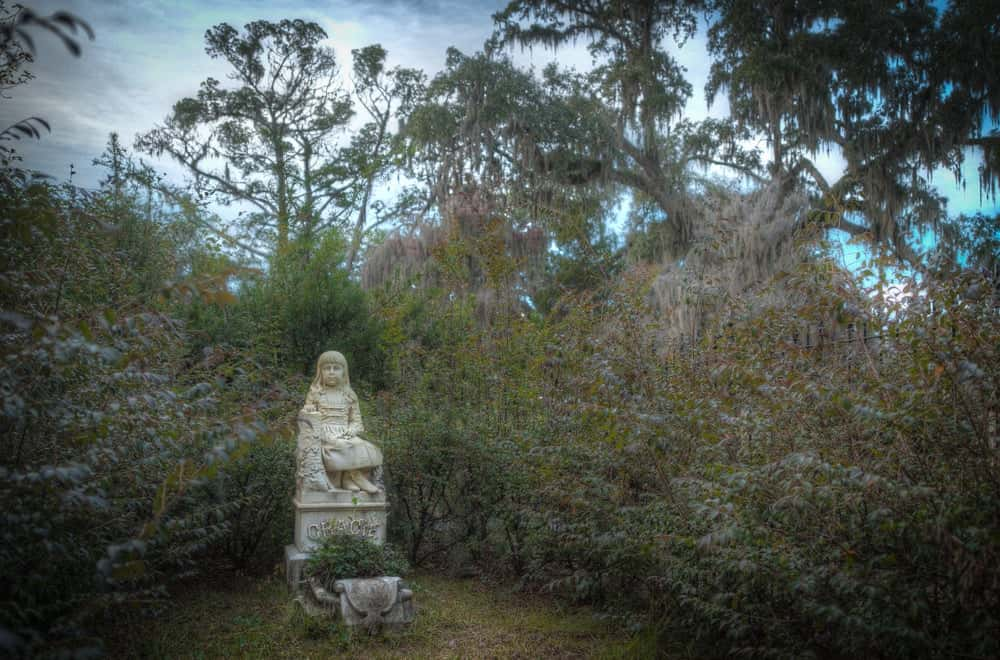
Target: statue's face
[[333, 374]]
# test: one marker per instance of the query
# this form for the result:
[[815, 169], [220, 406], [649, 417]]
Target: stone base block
[[346, 512], [295, 563]]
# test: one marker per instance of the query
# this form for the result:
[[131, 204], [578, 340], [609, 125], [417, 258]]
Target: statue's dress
[[339, 426]]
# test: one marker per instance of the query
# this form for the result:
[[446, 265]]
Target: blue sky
[[148, 54]]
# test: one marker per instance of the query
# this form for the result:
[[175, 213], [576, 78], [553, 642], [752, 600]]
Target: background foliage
[[709, 430]]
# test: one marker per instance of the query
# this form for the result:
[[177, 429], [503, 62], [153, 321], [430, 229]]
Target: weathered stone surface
[[318, 517], [295, 565], [339, 490], [333, 458], [371, 603], [363, 517]]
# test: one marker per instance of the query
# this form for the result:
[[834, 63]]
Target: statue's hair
[[317, 385]]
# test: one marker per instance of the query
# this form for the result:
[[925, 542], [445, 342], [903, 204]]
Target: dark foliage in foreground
[[132, 450]]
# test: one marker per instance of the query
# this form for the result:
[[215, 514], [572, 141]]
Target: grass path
[[253, 617]]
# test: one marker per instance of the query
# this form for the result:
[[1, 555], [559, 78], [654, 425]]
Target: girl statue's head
[[331, 371]]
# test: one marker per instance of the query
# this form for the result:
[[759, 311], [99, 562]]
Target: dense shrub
[[303, 305], [343, 556], [258, 486], [747, 492], [109, 435], [255, 485], [452, 430]]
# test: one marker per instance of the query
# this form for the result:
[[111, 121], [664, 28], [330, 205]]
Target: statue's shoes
[[365, 485]]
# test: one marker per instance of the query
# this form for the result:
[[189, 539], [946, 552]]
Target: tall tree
[[385, 94], [884, 83], [631, 101], [967, 49], [465, 131], [267, 141]]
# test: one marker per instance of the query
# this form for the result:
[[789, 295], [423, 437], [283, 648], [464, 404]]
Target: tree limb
[[189, 208], [740, 168]]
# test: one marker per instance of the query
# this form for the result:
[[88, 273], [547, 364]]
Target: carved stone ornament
[[371, 603]]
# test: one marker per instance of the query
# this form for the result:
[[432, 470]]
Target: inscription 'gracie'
[[356, 526]]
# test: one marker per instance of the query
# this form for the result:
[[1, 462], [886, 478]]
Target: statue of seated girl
[[332, 456]]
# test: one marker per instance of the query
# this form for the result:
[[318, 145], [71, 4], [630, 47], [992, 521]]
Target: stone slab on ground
[[375, 602]]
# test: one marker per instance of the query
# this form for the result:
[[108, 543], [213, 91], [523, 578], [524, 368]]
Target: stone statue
[[335, 492], [332, 457]]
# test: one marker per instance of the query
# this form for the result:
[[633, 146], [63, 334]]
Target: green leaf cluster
[[345, 556]]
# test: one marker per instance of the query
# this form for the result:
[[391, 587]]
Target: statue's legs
[[348, 481], [356, 480]]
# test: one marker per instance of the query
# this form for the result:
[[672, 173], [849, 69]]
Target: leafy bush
[[747, 493], [305, 304], [452, 429], [109, 436], [253, 488], [343, 556], [259, 487]]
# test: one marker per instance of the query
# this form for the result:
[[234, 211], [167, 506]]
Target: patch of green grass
[[256, 618]]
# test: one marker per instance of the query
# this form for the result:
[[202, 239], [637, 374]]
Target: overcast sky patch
[[149, 54]]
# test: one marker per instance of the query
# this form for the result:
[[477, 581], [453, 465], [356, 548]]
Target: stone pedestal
[[318, 515]]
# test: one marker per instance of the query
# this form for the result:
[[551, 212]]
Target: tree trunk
[[359, 226], [281, 172]]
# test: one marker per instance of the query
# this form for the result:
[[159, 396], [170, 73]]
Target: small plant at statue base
[[343, 556]]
